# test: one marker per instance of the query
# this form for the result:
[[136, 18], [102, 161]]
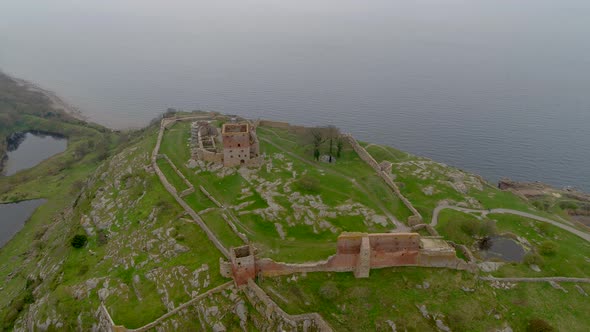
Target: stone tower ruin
[[240, 144]]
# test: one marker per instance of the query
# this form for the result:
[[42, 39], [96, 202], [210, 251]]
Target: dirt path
[[484, 213]]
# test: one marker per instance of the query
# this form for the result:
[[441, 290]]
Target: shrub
[[532, 258], [470, 226], [484, 243], [545, 228], [29, 298], [329, 290], [79, 241], [542, 205], [539, 325], [488, 228], [566, 205], [308, 184], [548, 248]]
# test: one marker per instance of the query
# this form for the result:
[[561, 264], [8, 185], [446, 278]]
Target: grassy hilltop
[[145, 256]]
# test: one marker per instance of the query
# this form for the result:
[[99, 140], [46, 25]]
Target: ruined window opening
[[242, 251], [242, 161], [238, 145]]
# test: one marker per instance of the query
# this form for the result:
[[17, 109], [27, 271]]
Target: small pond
[[27, 149], [505, 249], [13, 217]]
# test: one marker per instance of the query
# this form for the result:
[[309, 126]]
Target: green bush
[[539, 325], [308, 184], [79, 241], [545, 228], [488, 228], [532, 258], [542, 205], [470, 226], [29, 298], [568, 205], [548, 248]]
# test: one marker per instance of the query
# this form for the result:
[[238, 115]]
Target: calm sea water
[[500, 88]]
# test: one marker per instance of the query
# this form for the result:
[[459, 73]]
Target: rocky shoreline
[[574, 202], [56, 102]]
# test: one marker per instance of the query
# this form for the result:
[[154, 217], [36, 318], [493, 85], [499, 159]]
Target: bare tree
[[317, 138], [339, 146], [320, 135], [333, 134]]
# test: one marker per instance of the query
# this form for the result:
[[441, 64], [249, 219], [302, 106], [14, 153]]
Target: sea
[[500, 88]]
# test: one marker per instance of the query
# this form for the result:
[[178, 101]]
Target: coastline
[[56, 101]]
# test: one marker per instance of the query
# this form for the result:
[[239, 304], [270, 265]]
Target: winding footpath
[[438, 209]]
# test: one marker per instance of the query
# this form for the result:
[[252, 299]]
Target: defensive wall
[[282, 320], [383, 170], [355, 252]]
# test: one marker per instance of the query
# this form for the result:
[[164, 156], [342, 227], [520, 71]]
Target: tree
[[339, 146], [79, 241], [548, 248], [317, 138], [333, 134]]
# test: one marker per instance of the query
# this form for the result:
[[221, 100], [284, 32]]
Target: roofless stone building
[[240, 144], [236, 145]]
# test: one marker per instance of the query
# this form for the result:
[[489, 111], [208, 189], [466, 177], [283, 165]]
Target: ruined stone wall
[[282, 320], [366, 157], [254, 144], [178, 172], [208, 156], [155, 323], [349, 243], [384, 250], [211, 198], [393, 242], [103, 319], [195, 217]]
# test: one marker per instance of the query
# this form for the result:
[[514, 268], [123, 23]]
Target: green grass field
[[393, 294]]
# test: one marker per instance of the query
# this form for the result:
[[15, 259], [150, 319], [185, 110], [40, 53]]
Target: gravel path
[[567, 228]]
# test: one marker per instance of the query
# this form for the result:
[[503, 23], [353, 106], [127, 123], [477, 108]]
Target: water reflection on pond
[[13, 217], [25, 150], [505, 249]]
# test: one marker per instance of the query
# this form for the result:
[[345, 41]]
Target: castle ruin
[[237, 143], [240, 144]]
